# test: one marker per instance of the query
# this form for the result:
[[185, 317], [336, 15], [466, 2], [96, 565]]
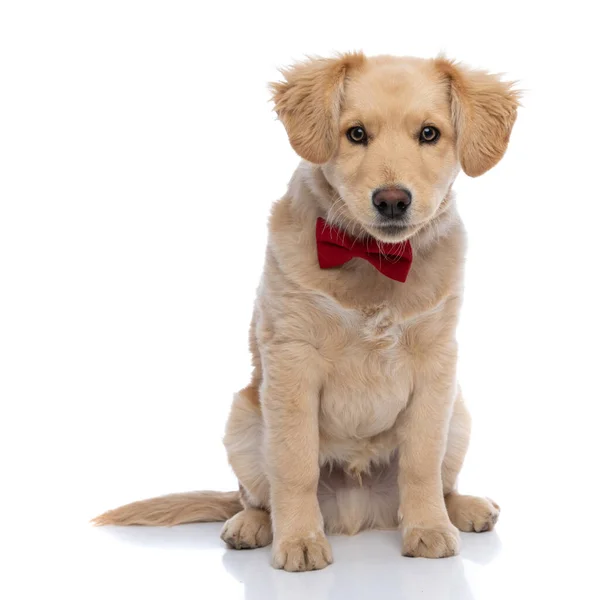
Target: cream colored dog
[[353, 418]]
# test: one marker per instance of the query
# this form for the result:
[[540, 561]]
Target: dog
[[353, 418]]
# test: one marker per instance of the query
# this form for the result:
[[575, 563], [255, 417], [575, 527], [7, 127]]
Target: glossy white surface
[[190, 562]]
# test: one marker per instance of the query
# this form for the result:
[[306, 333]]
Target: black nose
[[392, 202]]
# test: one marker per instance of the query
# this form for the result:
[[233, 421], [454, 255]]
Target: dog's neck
[[311, 177], [436, 271]]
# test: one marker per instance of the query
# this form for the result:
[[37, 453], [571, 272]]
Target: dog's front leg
[[426, 527], [290, 400]]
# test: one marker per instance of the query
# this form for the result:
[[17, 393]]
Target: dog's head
[[391, 133]]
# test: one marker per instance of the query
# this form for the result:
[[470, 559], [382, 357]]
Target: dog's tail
[[175, 509]]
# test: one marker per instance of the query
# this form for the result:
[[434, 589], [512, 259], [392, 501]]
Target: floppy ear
[[484, 109], [308, 103]]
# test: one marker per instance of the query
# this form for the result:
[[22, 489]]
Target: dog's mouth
[[392, 232]]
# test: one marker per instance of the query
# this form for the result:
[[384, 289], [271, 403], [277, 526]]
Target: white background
[[139, 158]]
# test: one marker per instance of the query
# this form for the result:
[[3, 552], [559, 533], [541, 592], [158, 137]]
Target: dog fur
[[353, 418]]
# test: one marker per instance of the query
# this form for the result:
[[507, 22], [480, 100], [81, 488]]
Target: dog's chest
[[369, 379]]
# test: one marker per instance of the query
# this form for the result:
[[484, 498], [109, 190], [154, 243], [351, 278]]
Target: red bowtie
[[335, 248]]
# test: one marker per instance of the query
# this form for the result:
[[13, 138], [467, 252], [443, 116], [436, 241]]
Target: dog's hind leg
[[468, 513], [250, 528]]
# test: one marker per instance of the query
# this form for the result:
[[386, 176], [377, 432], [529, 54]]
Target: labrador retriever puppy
[[354, 418]]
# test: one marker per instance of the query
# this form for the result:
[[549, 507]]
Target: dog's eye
[[357, 135], [429, 135]]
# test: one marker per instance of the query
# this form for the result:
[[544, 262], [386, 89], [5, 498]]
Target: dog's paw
[[470, 513], [250, 528], [306, 553], [436, 542]]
